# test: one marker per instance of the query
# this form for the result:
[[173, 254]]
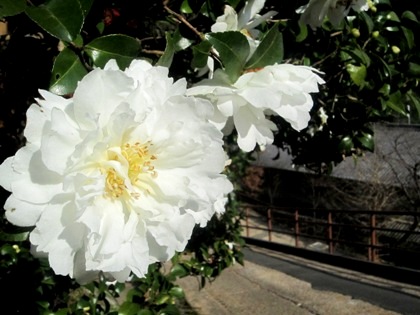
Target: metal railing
[[387, 237]]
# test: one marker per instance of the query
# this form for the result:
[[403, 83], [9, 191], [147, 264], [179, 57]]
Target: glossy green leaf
[[346, 145], [357, 74], [67, 71], [396, 103], [233, 49], [122, 48], [385, 89], [409, 19], [414, 69], [392, 16], [179, 271], [385, 71], [62, 19], [162, 299], [387, 2], [185, 7], [408, 15], [303, 32], [368, 21], [13, 237], [11, 7], [85, 5], [145, 312], [392, 28], [170, 310], [129, 308], [358, 55], [166, 59], [200, 54], [409, 37], [269, 51], [177, 292], [181, 42], [366, 140]]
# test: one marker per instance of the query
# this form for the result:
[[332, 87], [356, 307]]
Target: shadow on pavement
[[389, 295]]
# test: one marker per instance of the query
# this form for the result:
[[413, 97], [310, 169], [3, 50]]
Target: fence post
[[296, 228], [269, 224], [330, 234], [372, 252]]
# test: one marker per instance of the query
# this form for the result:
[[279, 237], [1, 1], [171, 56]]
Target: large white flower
[[278, 89], [116, 177], [315, 11]]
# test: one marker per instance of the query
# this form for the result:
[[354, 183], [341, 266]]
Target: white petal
[[22, 213], [60, 142], [251, 8], [7, 174]]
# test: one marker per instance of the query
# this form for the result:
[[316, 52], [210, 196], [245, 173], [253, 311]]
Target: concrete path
[[275, 283]]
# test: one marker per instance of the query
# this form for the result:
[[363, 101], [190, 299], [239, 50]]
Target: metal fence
[[386, 237]]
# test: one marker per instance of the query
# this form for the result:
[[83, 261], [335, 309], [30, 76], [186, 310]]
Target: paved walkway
[[275, 283]]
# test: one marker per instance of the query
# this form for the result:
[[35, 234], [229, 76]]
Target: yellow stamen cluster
[[115, 186], [139, 162]]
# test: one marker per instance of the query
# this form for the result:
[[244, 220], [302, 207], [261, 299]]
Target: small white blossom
[[315, 11], [246, 21], [116, 177], [278, 89]]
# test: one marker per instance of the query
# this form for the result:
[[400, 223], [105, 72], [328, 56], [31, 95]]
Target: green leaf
[[181, 42], [385, 89], [357, 74], [303, 32], [177, 292], [166, 59], [409, 37], [85, 5], [368, 21], [13, 237], [358, 55], [392, 16], [200, 54], [395, 103], [185, 7], [408, 15], [414, 69], [233, 49], [179, 271], [346, 145], [62, 19], [129, 308], [170, 310], [11, 7], [122, 48], [366, 140], [162, 299], [269, 51], [145, 312], [67, 71]]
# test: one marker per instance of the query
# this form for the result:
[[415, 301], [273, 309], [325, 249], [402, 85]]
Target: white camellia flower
[[315, 11], [246, 21], [277, 89], [116, 177]]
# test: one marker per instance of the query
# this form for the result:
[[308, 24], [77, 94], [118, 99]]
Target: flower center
[[139, 161]]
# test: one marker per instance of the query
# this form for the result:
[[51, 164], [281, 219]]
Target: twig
[[182, 19], [153, 52]]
